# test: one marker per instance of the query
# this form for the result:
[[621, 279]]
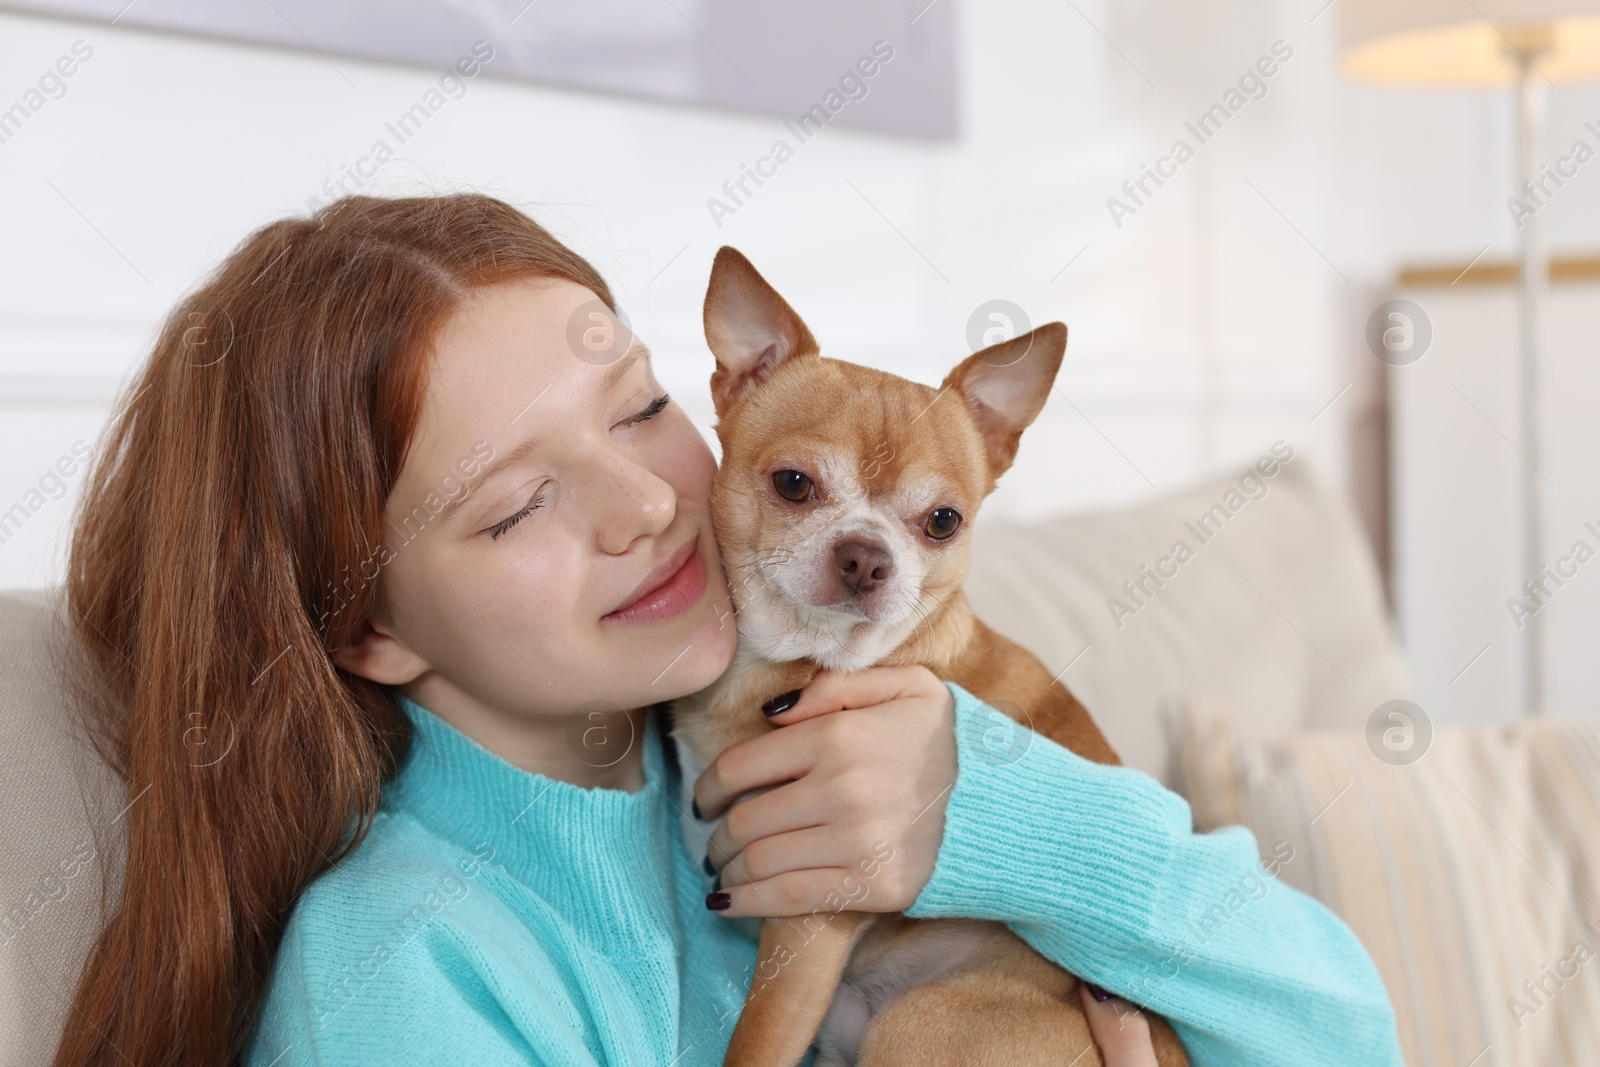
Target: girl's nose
[[631, 502]]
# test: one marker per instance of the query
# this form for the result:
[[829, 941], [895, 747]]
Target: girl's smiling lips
[[668, 590]]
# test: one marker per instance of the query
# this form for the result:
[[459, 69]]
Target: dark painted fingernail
[[716, 885], [782, 703], [711, 868], [694, 807], [1099, 994], [718, 901]]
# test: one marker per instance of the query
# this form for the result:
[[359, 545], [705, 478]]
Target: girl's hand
[[1120, 1030], [852, 814], [855, 815]]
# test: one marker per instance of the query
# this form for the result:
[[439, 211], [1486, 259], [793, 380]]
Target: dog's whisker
[[926, 611]]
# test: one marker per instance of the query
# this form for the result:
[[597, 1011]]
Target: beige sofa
[[1275, 613]]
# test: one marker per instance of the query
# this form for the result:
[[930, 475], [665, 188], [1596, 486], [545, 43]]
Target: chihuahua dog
[[843, 508]]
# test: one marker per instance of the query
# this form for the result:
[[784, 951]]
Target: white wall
[[1199, 329], [1220, 316]]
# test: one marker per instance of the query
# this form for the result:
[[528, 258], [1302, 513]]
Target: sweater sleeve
[[1099, 869]]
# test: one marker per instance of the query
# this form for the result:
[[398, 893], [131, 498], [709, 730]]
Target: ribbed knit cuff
[[1099, 870], [1048, 842]]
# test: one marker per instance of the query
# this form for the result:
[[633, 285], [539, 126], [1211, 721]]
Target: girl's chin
[[705, 654]]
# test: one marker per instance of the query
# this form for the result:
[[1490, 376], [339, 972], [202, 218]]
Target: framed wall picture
[[884, 65]]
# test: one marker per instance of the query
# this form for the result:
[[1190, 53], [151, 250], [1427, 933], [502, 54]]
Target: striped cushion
[[1472, 875]]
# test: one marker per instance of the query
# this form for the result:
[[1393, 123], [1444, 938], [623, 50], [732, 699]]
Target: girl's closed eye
[[509, 521], [653, 408]]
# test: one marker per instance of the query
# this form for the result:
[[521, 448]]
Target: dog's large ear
[[750, 328], [1005, 387]]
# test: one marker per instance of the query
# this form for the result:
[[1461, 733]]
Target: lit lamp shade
[[1467, 43]]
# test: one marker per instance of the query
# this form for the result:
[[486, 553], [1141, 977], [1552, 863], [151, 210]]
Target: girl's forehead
[[530, 314], [507, 343], [503, 369]]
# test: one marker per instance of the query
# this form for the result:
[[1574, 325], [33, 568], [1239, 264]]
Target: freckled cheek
[[463, 605], [542, 589], [685, 462]]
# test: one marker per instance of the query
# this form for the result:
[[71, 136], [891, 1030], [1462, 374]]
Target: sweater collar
[[612, 848]]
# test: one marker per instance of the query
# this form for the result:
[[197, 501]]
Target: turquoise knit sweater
[[494, 916]]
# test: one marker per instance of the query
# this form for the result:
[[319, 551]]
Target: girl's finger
[[796, 850], [775, 811], [1120, 1030], [832, 691], [823, 890], [778, 757], [768, 761]]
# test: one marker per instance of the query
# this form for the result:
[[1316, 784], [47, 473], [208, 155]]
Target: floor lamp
[[1528, 45]]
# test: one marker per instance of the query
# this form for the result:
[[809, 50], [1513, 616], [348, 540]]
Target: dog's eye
[[792, 485], [942, 522]]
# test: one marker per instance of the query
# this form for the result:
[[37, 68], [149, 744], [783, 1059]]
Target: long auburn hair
[[224, 546]]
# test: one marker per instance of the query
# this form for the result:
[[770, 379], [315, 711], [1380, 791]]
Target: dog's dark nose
[[863, 566]]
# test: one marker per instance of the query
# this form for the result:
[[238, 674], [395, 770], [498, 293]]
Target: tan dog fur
[[947, 991]]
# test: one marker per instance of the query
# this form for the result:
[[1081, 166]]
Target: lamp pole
[[1534, 276]]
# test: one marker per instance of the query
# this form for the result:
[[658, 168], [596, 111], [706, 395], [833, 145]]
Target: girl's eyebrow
[[498, 464], [615, 372]]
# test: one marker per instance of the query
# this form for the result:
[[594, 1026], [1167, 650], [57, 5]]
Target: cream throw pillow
[[1472, 875]]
